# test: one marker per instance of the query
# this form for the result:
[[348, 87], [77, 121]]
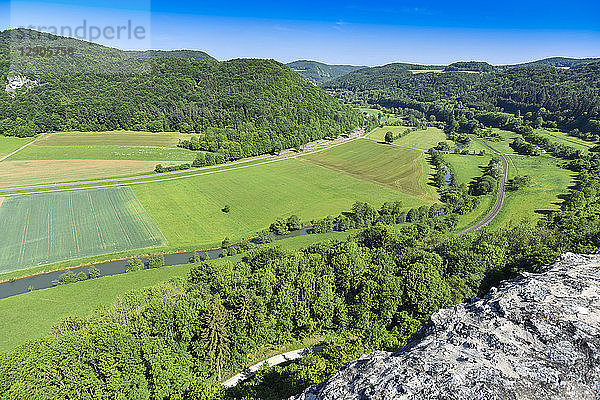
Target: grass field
[[31, 315], [563, 138], [466, 167], [104, 152], [399, 169], [188, 211], [10, 144], [423, 139], [548, 182], [41, 229], [115, 138]]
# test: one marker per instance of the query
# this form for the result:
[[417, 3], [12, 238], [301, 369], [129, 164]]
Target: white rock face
[[536, 337], [17, 82]]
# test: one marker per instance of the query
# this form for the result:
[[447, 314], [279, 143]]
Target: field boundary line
[[21, 148], [122, 182]]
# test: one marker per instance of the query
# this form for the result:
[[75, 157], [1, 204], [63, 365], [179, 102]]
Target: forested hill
[[317, 72], [243, 102], [82, 57], [552, 97], [557, 62]]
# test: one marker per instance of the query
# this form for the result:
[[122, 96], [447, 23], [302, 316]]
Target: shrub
[[156, 262], [82, 276], [94, 273], [134, 265]]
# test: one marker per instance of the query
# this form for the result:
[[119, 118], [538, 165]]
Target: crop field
[[22, 173], [399, 169], [41, 229], [104, 152], [115, 138], [188, 211], [423, 139]]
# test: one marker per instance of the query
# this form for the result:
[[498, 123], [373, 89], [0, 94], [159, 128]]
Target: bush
[[134, 265], [226, 209], [156, 262], [94, 273], [82, 276]]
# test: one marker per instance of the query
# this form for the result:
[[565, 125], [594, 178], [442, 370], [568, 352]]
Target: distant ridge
[[317, 72]]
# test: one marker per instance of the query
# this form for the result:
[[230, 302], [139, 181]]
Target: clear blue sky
[[356, 32]]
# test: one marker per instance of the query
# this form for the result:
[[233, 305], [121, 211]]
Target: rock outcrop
[[18, 82], [535, 337]]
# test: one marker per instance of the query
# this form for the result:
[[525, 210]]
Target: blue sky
[[356, 32]]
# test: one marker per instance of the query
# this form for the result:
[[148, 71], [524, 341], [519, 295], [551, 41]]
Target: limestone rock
[[535, 337]]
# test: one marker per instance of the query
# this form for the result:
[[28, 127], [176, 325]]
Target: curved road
[[501, 191]]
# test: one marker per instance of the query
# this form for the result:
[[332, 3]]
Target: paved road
[[501, 192], [276, 360]]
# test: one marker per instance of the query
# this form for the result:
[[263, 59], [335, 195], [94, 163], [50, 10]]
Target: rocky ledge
[[535, 337]]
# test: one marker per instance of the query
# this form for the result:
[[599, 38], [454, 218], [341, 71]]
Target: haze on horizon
[[340, 32]]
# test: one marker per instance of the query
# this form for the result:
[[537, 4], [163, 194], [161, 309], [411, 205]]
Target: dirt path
[[21, 148], [501, 192], [275, 360], [2, 200]]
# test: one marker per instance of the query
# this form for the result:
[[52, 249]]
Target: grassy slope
[[563, 138], [31, 315], [188, 211], [423, 139]]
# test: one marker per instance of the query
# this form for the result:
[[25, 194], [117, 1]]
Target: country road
[[501, 192]]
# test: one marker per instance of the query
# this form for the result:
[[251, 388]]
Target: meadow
[[32, 315], [188, 211], [531, 203], [564, 139], [46, 228], [421, 139]]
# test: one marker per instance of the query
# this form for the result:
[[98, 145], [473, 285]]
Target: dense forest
[[250, 103], [547, 97], [317, 72]]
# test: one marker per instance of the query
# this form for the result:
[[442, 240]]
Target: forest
[[243, 105]]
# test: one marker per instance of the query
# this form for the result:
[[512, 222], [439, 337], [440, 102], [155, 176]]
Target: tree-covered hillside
[[317, 72], [253, 102], [551, 97]]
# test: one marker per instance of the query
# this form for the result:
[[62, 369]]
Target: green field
[[46, 228], [104, 152], [188, 211], [466, 167], [10, 144], [399, 169], [114, 138], [548, 182], [31, 315], [564, 139], [422, 139]]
